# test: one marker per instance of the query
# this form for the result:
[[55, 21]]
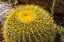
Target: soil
[[59, 19]]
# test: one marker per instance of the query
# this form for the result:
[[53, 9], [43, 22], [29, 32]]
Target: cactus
[[29, 23]]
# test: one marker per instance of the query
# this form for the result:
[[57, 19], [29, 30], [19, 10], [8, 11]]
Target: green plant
[[29, 23], [61, 28], [52, 6]]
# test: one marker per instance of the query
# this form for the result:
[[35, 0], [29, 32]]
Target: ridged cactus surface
[[29, 23]]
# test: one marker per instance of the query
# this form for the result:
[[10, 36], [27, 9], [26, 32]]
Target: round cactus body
[[29, 23]]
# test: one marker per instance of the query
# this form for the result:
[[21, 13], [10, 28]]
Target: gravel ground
[[4, 10]]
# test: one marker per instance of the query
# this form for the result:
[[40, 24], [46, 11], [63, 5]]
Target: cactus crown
[[29, 23], [26, 16]]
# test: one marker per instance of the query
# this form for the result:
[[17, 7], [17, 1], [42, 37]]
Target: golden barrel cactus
[[29, 23]]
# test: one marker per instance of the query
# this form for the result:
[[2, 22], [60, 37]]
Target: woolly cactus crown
[[29, 23]]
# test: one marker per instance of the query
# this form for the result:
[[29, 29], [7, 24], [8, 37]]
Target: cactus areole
[[29, 23]]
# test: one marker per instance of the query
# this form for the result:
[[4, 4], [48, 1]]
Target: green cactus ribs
[[29, 23]]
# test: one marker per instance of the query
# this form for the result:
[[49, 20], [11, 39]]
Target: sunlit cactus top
[[26, 16], [29, 23]]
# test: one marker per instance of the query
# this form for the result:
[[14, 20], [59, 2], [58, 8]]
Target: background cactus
[[29, 23]]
